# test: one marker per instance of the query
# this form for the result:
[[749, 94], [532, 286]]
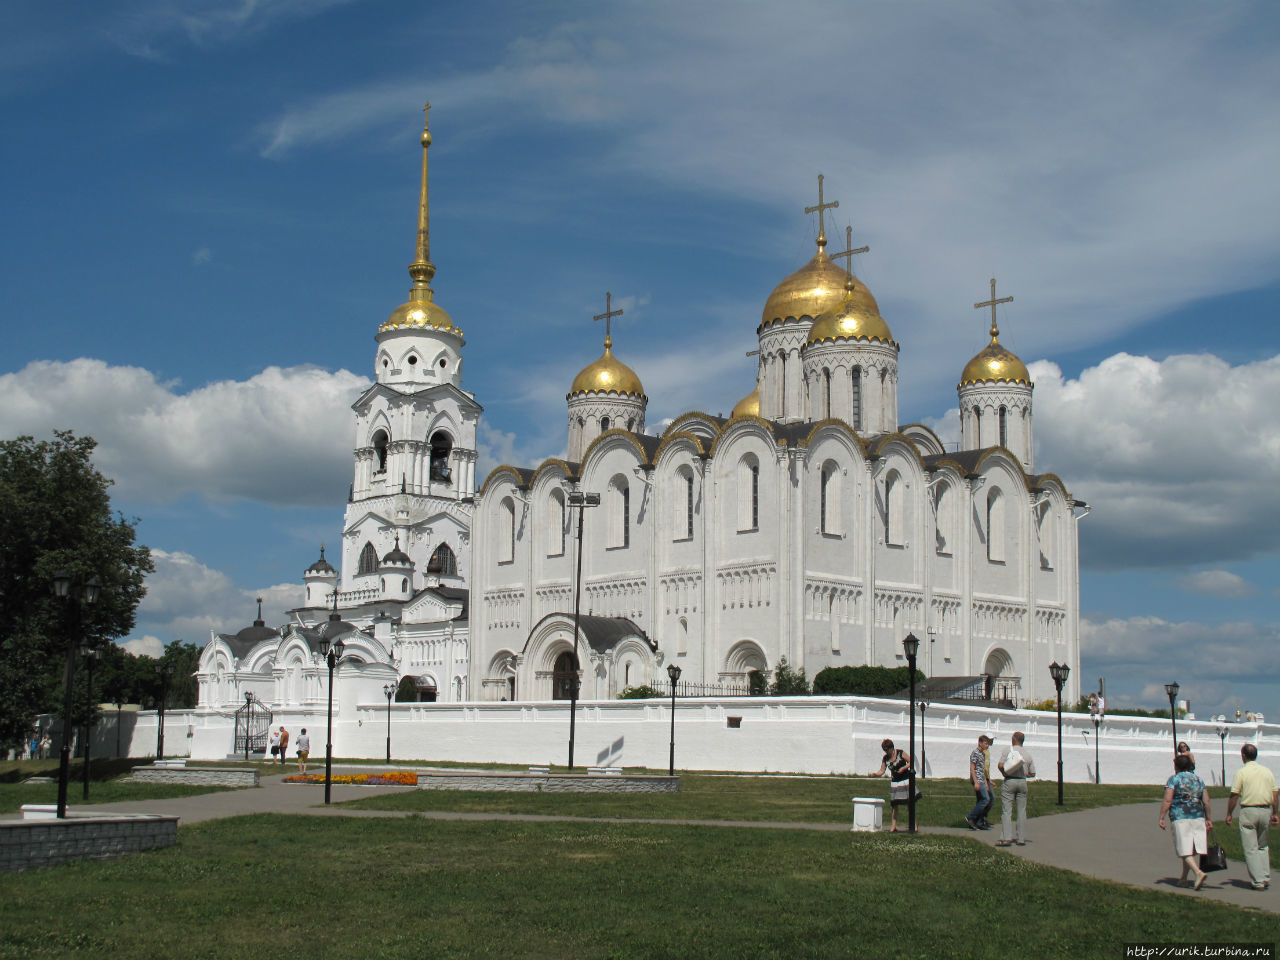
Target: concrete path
[[1121, 843]]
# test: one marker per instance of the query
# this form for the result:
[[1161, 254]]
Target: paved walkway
[[1120, 843]]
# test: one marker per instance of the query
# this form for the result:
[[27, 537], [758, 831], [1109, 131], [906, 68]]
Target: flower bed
[[395, 778]]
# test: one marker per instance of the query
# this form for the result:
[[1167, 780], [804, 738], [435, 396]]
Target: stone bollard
[[868, 814]]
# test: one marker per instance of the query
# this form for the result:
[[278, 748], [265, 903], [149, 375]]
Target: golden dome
[[419, 313], [607, 375], [748, 406], [995, 364], [856, 317], [810, 292]]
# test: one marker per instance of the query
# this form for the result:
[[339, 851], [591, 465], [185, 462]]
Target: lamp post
[[390, 690], [924, 756], [1172, 690], [166, 672], [1097, 729], [580, 500], [1222, 744], [674, 673], [90, 655], [933, 638], [85, 594], [248, 700], [911, 645], [1059, 672], [332, 653]]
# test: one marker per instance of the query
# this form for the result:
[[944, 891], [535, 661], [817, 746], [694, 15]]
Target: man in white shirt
[[1015, 766], [304, 750]]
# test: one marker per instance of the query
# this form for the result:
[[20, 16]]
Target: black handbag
[[1215, 859]]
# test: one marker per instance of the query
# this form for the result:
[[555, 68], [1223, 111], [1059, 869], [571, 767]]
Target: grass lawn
[[281, 887], [105, 785]]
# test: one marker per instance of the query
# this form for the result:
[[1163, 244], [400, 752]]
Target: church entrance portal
[[562, 677]]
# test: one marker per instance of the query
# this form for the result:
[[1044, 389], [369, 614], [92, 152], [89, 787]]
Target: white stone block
[[868, 815]]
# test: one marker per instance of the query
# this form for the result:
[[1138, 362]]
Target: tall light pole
[[390, 690], [580, 500], [924, 756], [1097, 754], [933, 637], [332, 654], [83, 595], [674, 673], [166, 673], [1222, 745], [1059, 672], [911, 645], [1172, 690], [90, 655]]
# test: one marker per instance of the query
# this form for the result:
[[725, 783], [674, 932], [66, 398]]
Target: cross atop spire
[[995, 331], [607, 317], [822, 234], [848, 252]]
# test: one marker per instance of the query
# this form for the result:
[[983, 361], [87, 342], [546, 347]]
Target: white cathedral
[[809, 525]]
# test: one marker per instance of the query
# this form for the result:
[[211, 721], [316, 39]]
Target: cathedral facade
[[809, 526]]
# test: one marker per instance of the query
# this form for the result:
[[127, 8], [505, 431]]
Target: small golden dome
[[810, 292], [419, 313], [748, 406], [607, 375], [856, 317], [995, 364]]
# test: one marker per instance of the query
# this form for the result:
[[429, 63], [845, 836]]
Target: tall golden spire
[[422, 269]]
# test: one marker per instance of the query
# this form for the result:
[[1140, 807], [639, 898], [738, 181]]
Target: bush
[[788, 682], [407, 691], [864, 681], [642, 692], [757, 683]]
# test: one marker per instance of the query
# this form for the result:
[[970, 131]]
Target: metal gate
[[253, 725]]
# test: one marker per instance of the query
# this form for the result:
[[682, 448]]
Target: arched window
[[857, 398], [995, 526], [894, 510], [604, 424], [826, 393], [563, 677], [1004, 427], [945, 505], [380, 442], [443, 562], [682, 505], [555, 524], [368, 560], [1046, 535], [506, 530], [441, 447], [748, 494], [619, 512], [782, 385], [829, 497]]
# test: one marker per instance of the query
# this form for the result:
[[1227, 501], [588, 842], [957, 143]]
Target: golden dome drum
[[748, 406], [995, 364], [810, 292], [607, 375]]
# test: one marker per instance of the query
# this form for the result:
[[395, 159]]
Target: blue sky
[[209, 208]]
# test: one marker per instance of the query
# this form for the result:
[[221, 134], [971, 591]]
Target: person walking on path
[[284, 744], [1254, 789], [981, 785], [1015, 766], [275, 744], [1186, 803], [897, 763], [304, 750]]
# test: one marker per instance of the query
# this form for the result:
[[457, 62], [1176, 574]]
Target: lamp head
[[911, 645], [673, 672], [1172, 690]]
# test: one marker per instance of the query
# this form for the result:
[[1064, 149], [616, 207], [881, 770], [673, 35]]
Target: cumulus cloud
[[147, 646], [1176, 456], [1216, 583], [274, 438], [187, 599]]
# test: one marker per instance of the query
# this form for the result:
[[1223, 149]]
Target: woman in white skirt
[[1186, 804], [897, 765]]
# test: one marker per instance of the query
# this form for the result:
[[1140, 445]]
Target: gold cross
[[848, 252], [607, 316], [995, 331], [822, 235]]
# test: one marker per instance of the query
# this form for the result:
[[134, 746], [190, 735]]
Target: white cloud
[[147, 646], [270, 438], [201, 257], [1216, 583], [1177, 457]]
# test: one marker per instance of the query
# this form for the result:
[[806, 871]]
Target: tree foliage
[[407, 690], [787, 681], [864, 681], [642, 692], [55, 515]]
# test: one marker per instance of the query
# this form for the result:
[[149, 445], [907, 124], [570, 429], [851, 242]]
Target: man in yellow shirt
[[1254, 788]]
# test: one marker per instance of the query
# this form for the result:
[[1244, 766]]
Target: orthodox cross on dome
[[848, 252], [259, 608], [822, 234], [607, 317], [995, 331]]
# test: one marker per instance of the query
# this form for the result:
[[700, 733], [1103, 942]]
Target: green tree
[[788, 682], [406, 690], [55, 515]]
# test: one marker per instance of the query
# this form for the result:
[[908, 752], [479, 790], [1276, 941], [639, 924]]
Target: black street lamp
[[90, 655], [1172, 690], [85, 594], [390, 690], [1097, 732], [580, 500], [248, 703], [674, 673], [924, 756], [912, 647], [332, 653], [1222, 745], [1059, 672], [166, 674]]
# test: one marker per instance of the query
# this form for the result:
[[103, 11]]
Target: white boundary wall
[[817, 735]]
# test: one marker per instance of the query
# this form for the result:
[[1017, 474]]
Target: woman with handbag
[[1186, 803], [897, 764]]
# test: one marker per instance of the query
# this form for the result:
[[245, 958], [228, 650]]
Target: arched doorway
[[563, 677]]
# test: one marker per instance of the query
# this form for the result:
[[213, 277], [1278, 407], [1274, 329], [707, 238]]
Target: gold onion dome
[[607, 375], [419, 313], [813, 290], [748, 406], [995, 364], [855, 317]]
